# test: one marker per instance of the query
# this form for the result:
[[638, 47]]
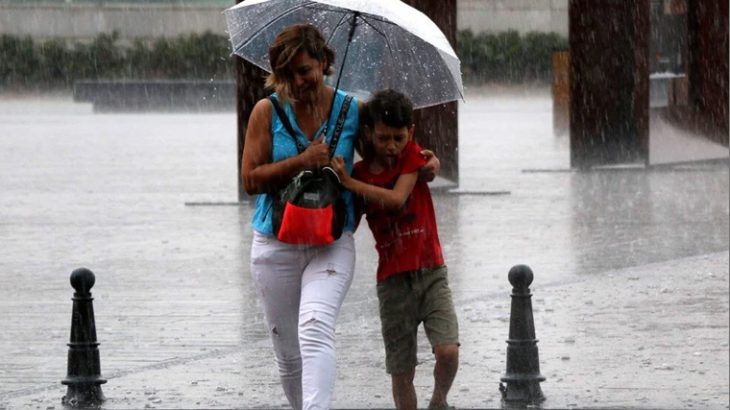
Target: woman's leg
[[325, 283], [276, 269]]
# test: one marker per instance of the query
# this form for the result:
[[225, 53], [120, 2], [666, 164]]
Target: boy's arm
[[389, 199]]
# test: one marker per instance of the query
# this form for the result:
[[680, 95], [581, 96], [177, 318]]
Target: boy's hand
[[338, 164], [429, 171]]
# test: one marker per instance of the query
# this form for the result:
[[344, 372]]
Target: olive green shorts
[[407, 300]]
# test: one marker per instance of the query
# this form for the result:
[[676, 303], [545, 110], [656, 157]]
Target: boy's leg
[[447, 362], [442, 329], [404, 393], [399, 327]]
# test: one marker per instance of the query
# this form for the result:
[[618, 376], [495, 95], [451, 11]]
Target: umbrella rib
[[377, 30], [272, 21], [339, 24], [378, 18], [390, 48], [419, 67]]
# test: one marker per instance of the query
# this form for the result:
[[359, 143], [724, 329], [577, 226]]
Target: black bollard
[[522, 379], [83, 377]]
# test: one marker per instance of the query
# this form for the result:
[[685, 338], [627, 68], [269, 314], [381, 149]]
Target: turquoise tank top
[[284, 147]]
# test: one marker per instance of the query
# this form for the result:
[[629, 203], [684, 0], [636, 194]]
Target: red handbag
[[310, 210]]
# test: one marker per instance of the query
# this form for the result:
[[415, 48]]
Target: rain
[[118, 153]]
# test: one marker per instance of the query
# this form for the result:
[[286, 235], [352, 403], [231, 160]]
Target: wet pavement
[[631, 266]]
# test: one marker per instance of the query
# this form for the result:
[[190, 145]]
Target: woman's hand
[[429, 171], [259, 174], [317, 154]]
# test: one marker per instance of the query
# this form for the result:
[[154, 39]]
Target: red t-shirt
[[407, 238]]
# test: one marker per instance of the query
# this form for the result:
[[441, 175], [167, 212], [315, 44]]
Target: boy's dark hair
[[389, 107]]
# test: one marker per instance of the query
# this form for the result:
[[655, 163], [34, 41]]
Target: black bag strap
[[285, 120], [338, 126]]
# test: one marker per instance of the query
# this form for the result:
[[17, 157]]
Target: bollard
[[83, 377], [522, 379]]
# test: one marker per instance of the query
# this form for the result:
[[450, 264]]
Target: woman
[[301, 287]]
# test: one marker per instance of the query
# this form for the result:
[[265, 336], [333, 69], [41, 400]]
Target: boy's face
[[388, 142]]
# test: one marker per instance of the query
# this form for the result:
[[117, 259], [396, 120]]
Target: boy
[[412, 283]]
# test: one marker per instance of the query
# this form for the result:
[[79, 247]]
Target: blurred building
[[548, 16], [80, 20], [85, 19]]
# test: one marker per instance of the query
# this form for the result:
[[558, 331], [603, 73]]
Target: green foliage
[[53, 64], [103, 58], [186, 56], [17, 58], [507, 56], [25, 64]]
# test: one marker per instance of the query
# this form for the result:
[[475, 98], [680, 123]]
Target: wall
[[84, 21], [520, 15]]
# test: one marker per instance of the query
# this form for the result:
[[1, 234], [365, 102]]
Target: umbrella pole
[[353, 25]]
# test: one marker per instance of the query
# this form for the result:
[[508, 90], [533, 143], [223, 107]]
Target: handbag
[[310, 210]]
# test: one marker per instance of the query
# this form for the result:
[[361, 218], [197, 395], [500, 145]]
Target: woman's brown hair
[[286, 45]]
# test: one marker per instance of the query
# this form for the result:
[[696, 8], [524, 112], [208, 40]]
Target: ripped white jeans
[[302, 289]]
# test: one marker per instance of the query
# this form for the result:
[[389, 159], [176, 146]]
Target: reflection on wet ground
[[567, 223], [108, 191]]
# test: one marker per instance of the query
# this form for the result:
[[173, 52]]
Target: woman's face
[[307, 76]]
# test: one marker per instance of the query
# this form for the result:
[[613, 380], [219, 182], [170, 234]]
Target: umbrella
[[384, 43]]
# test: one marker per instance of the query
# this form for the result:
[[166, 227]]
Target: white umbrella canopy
[[393, 45]]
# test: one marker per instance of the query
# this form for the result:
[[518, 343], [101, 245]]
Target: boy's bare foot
[[444, 406]]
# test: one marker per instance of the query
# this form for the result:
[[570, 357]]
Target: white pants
[[302, 289]]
